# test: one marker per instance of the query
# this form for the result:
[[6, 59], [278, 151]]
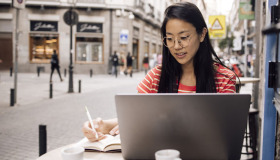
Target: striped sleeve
[[226, 81], [150, 83]]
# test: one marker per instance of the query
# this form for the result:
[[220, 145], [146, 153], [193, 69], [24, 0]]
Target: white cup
[[167, 154], [73, 153]]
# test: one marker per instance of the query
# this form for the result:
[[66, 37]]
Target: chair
[[250, 136]]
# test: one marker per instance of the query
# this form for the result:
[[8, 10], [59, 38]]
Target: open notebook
[[109, 144]]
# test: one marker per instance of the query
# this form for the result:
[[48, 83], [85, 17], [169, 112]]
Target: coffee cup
[[73, 153], [167, 154]]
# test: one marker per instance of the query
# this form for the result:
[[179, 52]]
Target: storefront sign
[[90, 27], [246, 10], [46, 26]]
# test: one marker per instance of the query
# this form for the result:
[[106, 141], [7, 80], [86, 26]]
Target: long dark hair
[[203, 61]]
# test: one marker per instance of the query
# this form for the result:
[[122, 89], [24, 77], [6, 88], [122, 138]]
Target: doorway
[[6, 51]]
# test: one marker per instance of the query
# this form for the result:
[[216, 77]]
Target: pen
[[90, 121]]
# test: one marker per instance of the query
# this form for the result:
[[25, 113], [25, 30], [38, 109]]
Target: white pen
[[90, 121]]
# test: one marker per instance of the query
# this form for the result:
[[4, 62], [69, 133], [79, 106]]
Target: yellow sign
[[217, 29]]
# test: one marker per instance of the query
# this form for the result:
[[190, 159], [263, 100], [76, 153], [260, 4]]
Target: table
[[244, 80], [56, 155]]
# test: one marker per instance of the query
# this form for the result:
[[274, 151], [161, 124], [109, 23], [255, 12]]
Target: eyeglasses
[[182, 40]]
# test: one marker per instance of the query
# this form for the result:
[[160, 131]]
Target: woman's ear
[[203, 34]]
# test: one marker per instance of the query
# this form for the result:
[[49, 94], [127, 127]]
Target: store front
[[44, 39], [89, 43]]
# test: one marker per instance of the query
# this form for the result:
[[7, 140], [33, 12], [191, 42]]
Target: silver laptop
[[200, 126]]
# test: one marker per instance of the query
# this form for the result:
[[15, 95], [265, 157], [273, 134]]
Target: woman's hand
[[115, 130], [102, 127], [90, 134]]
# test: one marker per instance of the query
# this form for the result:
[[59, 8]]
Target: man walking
[[115, 60], [55, 65]]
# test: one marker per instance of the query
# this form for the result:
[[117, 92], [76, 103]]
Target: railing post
[[51, 90], [11, 71], [80, 86], [65, 71], [90, 72], [42, 139], [12, 97], [38, 71]]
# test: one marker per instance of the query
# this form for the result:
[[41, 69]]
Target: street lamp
[[71, 18]]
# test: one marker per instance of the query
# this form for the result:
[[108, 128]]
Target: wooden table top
[[56, 155]]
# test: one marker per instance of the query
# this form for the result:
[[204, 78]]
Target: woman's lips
[[181, 55]]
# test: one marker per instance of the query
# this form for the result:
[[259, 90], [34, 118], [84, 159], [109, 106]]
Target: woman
[[189, 63]]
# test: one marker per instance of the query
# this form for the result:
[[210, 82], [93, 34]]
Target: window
[[42, 47], [146, 49], [89, 50]]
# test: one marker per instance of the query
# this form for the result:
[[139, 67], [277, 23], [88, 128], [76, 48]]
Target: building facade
[[103, 26]]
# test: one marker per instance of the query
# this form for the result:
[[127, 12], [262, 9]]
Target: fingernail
[[118, 131]]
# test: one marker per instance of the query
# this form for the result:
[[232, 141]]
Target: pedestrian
[[159, 58], [55, 65], [122, 63], [115, 60], [146, 63], [189, 63], [129, 61]]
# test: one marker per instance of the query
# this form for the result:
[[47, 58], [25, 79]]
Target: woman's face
[[182, 40]]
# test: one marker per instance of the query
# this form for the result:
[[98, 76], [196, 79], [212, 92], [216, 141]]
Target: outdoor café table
[[244, 80], [56, 155]]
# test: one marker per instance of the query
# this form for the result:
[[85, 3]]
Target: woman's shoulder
[[222, 70], [156, 70]]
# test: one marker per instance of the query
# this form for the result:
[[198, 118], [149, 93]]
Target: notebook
[[200, 126]]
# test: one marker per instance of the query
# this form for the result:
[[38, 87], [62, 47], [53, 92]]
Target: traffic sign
[[124, 36], [20, 4], [71, 17], [217, 30]]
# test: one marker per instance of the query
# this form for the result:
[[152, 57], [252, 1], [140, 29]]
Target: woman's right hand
[[99, 128]]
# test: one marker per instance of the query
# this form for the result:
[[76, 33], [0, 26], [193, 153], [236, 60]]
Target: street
[[64, 114]]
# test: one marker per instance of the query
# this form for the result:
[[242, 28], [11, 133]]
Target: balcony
[[43, 2], [6, 2], [90, 3]]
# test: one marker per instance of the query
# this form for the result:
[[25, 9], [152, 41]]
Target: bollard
[[11, 71], [38, 71], [65, 71], [90, 72], [42, 139], [51, 90], [12, 97], [80, 86]]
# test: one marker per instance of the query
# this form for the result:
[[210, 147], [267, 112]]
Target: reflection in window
[[42, 47], [89, 50]]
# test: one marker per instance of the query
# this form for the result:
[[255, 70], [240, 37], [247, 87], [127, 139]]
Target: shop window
[[146, 49], [154, 48], [42, 47], [89, 50]]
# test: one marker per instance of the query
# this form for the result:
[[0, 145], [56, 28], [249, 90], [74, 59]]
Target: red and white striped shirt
[[225, 81]]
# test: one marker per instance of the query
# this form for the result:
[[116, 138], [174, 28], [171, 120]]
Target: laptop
[[200, 126]]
